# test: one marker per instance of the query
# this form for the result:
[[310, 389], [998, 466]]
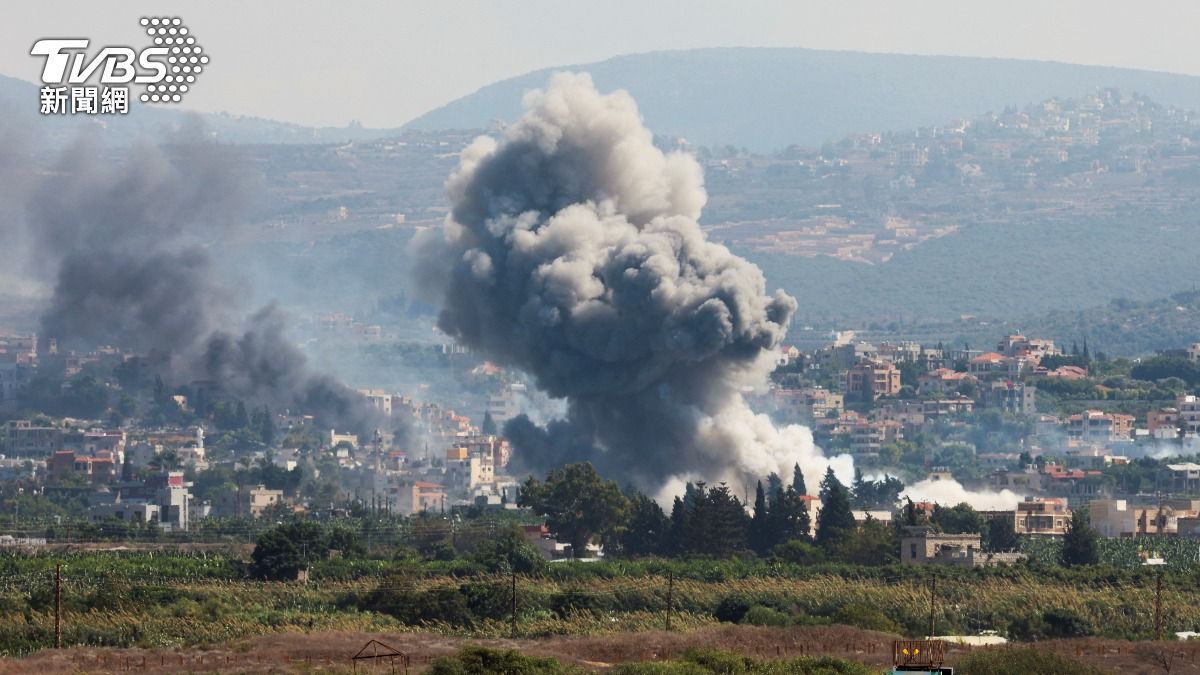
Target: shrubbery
[[484, 661], [1025, 661]]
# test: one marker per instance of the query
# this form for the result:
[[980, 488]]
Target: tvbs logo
[[167, 68]]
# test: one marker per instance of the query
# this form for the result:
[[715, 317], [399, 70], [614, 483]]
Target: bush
[[865, 617], [436, 605], [765, 616], [1053, 623], [798, 553], [1027, 661], [1066, 623], [488, 599], [732, 608]]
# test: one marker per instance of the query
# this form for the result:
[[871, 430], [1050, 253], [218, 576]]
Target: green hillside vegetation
[[999, 271]]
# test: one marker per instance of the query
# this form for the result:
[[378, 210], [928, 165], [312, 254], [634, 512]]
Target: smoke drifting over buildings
[[573, 252], [125, 242]]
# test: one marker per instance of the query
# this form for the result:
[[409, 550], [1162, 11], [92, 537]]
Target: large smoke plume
[[125, 244], [573, 252]]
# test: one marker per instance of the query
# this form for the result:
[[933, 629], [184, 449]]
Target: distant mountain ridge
[[19, 106], [768, 98]]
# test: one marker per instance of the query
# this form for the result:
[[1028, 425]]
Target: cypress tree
[[835, 519], [1080, 545], [760, 532], [798, 480], [774, 488]]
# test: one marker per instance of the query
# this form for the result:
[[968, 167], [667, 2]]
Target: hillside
[[765, 99], [1126, 327], [1001, 271]]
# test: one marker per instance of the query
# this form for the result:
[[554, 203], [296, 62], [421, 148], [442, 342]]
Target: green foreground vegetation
[[178, 600]]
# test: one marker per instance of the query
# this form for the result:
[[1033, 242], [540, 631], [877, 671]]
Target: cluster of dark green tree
[[281, 552], [580, 506]]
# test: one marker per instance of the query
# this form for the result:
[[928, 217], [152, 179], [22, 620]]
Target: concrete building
[[1119, 518], [507, 403], [1182, 478], [247, 500], [134, 511], [336, 438], [1094, 426], [1010, 396], [22, 438], [923, 546], [420, 496], [1189, 414], [807, 404], [942, 381], [870, 380], [379, 399], [1042, 517], [65, 464]]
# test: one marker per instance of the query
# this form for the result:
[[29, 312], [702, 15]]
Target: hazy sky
[[384, 63]]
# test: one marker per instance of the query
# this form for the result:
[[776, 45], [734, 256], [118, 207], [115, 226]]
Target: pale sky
[[384, 63]]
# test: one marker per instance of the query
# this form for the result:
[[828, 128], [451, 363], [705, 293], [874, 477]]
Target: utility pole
[[932, 605], [1158, 618], [1158, 622], [58, 606], [514, 602], [670, 596]]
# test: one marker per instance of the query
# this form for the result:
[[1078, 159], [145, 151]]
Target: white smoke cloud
[[951, 492]]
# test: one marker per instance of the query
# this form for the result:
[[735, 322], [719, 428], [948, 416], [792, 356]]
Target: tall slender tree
[[760, 524], [1081, 543], [798, 480], [835, 519]]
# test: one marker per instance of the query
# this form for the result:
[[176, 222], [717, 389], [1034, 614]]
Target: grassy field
[[160, 600]]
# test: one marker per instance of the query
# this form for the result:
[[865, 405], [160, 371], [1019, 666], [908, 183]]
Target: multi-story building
[[1189, 414], [843, 355], [507, 403], [1182, 478], [1042, 517], [420, 496], [1163, 424], [23, 439], [65, 464], [1094, 426], [1010, 396], [1119, 518], [808, 403], [870, 380], [379, 399], [247, 500], [942, 381], [1017, 345]]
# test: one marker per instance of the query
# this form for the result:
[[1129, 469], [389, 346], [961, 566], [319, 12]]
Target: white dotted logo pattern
[[185, 60]]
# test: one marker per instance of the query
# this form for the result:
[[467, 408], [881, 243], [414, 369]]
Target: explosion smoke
[[126, 244], [573, 252]]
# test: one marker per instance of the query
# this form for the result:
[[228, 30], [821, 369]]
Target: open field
[[331, 651]]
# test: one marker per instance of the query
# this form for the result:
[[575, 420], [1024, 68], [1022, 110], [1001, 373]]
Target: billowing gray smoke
[[126, 243], [573, 253]]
